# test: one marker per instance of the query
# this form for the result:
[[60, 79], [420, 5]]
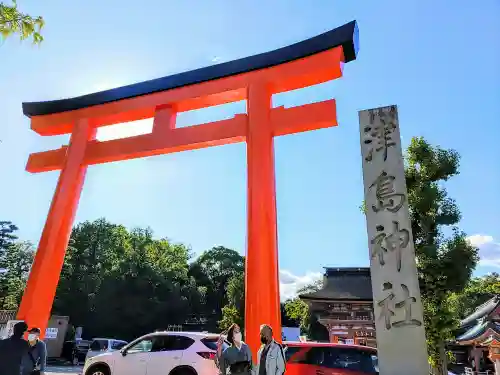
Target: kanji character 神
[[395, 242], [378, 249]]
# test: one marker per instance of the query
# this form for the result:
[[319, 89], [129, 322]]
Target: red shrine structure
[[254, 79]]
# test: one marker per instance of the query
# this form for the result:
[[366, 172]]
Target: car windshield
[[117, 345], [99, 344]]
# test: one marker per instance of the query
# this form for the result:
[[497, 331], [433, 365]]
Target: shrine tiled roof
[[481, 311], [478, 330], [344, 284]]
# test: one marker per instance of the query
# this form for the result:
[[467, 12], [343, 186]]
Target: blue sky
[[437, 60]]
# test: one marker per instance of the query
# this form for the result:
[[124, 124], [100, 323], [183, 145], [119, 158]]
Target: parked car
[[75, 351], [159, 353], [101, 345], [312, 358]]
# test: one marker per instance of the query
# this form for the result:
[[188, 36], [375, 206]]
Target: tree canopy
[[113, 275], [13, 21], [477, 291], [445, 262], [15, 263], [298, 312]]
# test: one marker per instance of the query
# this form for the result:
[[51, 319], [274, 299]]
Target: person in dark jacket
[[12, 350], [36, 357]]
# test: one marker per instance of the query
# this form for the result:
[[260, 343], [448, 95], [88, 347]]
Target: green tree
[[95, 249], [234, 311], [15, 262], [13, 21], [17, 265], [445, 263], [216, 270], [7, 238], [298, 311], [148, 288], [477, 291], [230, 315], [112, 275], [236, 291]]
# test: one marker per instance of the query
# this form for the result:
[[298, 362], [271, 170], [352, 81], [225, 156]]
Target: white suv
[[159, 353]]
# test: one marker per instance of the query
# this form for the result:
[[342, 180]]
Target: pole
[[262, 302], [44, 276]]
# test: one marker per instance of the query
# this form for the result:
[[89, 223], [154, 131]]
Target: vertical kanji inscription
[[397, 304]]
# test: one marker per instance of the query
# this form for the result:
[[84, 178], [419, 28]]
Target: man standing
[[270, 358], [12, 350], [35, 360]]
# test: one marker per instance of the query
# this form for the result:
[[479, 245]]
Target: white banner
[[51, 333]]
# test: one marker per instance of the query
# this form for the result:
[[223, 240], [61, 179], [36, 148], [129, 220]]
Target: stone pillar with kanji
[[396, 295]]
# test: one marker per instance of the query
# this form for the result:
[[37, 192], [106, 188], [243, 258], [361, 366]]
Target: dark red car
[[312, 358]]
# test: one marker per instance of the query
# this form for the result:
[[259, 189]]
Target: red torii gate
[[255, 79]]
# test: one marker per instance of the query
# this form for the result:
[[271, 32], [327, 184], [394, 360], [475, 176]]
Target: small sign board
[[9, 328], [349, 341], [51, 333]]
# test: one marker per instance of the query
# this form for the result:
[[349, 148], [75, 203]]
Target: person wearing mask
[[35, 360], [270, 358], [12, 350], [237, 358]]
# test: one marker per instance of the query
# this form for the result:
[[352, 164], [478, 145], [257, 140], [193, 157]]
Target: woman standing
[[237, 358]]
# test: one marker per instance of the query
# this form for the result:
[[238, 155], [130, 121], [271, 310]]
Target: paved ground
[[64, 370]]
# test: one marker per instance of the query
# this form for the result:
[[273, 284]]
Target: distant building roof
[[344, 284], [480, 332], [481, 312]]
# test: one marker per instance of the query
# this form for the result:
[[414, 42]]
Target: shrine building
[[345, 305], [477, 332]]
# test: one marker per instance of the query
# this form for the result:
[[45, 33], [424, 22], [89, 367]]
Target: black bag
[[240, 367], [35, 363]]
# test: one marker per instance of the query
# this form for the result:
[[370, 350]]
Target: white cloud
[[291, 283], [216, 59], [489, 249]]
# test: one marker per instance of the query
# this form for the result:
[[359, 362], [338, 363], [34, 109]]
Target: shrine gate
[[254, 79]]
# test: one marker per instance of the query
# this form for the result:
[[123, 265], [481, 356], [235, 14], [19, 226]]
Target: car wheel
[[98, 370]]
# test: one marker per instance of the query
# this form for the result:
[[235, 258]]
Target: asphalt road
[[64, 370]]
